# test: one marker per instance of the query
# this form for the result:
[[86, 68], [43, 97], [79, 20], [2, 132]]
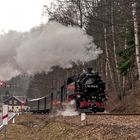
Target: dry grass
[[129, 104], [33, 127]]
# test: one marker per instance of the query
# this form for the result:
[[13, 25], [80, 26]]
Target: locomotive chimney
[[89, 70]]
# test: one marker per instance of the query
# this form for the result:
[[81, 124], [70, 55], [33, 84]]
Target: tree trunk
[[108, 66], [113, 35], [124, 77], [136, 36], [117, 77], [81, 13]]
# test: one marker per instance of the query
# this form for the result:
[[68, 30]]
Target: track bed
[[96, 127]]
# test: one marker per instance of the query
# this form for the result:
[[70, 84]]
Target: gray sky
[[20, 15]]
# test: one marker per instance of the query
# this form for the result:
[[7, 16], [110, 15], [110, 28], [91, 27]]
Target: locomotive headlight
[[78, 96]]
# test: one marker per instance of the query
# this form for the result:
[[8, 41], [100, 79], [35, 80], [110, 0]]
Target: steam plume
[[43, 47]]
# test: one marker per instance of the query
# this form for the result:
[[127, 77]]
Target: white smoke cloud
[[43, 47], [68, 109]]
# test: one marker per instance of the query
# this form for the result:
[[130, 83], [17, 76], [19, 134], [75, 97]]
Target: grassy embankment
[[31, 127]]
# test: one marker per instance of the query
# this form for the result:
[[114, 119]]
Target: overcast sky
[[20, 15]]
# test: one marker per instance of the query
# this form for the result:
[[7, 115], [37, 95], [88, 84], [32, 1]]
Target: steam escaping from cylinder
[[43, 47], [106, 112], [68, 109]]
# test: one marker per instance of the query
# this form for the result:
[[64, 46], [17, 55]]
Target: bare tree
[[134, 4]]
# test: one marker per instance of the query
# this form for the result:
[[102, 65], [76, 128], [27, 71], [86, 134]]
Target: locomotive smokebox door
[[89, 70]]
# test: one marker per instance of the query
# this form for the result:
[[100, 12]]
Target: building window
[[15, 102], [10, 102]]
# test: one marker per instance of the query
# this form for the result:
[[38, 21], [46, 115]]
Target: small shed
[[16, 104]]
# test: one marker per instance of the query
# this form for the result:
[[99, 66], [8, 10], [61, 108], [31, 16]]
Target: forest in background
[[114, 25]]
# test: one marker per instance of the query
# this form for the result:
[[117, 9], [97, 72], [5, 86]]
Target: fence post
[[51, 108]]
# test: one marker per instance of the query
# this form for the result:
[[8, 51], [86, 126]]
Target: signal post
[[5, 118]]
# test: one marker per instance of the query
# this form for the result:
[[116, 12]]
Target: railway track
[[113, 114]]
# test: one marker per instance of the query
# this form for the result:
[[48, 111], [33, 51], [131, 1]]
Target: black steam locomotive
[[86, 89]]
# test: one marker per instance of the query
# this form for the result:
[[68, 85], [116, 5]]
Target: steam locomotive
[[86, 89]]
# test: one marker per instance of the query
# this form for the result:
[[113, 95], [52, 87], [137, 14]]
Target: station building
[[16, 104]]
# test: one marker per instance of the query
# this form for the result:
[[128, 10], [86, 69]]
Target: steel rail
[[113, 114]]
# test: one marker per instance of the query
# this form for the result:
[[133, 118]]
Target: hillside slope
[[129, 104]]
